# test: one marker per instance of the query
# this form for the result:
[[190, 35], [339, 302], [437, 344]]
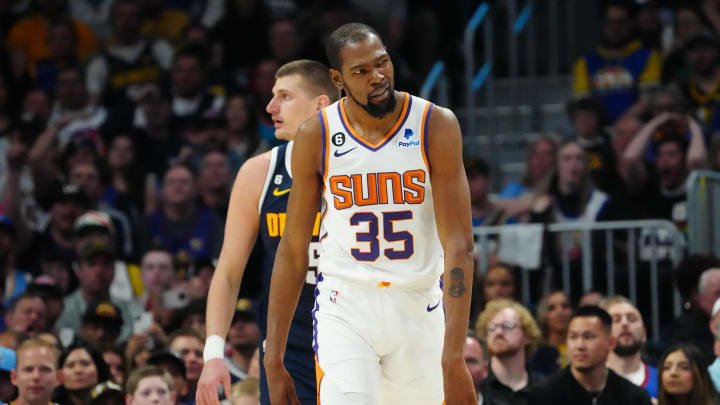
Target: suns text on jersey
[[372, 188]]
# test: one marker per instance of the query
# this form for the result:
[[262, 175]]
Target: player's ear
[[321, 102], [336, 79]]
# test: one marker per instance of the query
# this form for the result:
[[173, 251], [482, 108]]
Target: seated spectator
[[587, 116], [175, 366], [684, 377], [511, 335], [538, 166], [699, 90], [25, 317], [243, 337], [125, 190], [692, 325], [15, 280], [46, 288], [189, 344], [214, 183], [129, 60], [571, 197], [95, 271], [73, 106], [553, 316], [588, 380], [192, 99], [101, 324], [665, 197], [107, 393], [484, 212], [179, 225], [499, 281], [476, 359], [688, 21], [158, 145], [62, 43], [620, 69], [29, 37], [157, 275], [82, 368], [150, 386], [162, 22], [115, 360], [629, 332], [86, 175], [36, 374], [243, 139]]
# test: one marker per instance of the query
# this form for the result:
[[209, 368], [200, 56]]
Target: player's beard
[[628, 350], [377, 110]]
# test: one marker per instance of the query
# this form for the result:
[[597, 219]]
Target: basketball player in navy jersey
[[257, 208], [396, 216]]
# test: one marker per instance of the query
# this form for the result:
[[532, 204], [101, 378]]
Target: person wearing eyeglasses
[[588, 381], [512, 336]]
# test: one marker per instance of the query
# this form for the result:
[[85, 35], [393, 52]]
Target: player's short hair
[[527, 322], [144, 372], [34, 343], [315, 75], [591, 311], [347, 34]]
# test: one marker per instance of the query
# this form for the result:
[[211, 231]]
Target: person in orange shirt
[[28, 37]]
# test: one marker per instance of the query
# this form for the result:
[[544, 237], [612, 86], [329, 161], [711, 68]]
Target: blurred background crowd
[[124, 122]]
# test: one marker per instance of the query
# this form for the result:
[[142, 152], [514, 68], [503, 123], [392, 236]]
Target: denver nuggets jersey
[[273, 211], [378, 226]]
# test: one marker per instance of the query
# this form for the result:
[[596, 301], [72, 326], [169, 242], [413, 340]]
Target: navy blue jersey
[[273, 209], [299, 355]]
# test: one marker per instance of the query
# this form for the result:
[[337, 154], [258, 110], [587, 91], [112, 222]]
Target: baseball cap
[[244, 310], [93, 220], [104, 312], [96, 247], [162, 357], [68, 192], [7, 224]]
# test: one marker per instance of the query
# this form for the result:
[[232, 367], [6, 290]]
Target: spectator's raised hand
[[16, 156]]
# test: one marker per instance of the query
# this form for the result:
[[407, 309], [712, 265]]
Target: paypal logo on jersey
[[409, 134]]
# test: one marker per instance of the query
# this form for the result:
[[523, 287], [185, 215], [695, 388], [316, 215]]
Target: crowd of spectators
[[123, 123]]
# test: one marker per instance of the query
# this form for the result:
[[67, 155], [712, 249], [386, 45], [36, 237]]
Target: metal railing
[[473, 81], [703, 208], [436, 84], [586, 230]]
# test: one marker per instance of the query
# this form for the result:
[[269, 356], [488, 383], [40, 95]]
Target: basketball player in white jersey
[[388, 169], [301, 89]]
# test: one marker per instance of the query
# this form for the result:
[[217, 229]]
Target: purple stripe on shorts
[[317, 307]]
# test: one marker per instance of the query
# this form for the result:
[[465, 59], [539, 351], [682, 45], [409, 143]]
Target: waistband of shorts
[[422, 283]]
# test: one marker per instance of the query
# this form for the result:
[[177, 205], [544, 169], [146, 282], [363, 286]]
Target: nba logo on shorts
[[333, 296]]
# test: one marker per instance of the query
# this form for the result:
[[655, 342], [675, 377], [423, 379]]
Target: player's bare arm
[[241, 230], [451, 196], [291, 260]]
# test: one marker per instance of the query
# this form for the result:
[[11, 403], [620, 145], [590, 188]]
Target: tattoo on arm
[[457, 288]]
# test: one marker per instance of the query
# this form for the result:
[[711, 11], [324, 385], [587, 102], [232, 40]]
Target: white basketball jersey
[[378, 226]]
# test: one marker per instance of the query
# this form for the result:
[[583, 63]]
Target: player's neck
[[624, 365], [510, 370], [361, 120]]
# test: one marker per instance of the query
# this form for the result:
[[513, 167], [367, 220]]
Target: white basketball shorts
[[378, 345]]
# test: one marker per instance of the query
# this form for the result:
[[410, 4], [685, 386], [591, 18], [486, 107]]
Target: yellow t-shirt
[[30, 36]]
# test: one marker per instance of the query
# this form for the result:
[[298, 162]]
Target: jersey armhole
[[271, 170], [325, 150], [423, 141]]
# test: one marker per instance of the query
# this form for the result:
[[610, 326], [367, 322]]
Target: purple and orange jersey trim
[[423, 144]]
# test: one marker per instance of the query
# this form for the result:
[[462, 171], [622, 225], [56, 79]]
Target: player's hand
[[458, 384], [214, 373], [280, 386]]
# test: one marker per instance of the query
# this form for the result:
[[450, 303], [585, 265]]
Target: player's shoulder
[[257, 166]]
